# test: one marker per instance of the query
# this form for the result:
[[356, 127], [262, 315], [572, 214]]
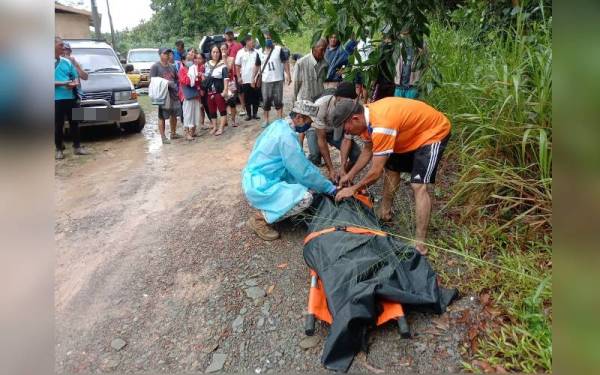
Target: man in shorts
[[164, 69], [271, 63], [401, 135], [278, 180]]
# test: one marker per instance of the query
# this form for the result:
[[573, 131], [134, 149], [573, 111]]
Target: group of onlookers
[[206, 86]]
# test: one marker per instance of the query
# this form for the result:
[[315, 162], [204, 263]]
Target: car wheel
[[136, 126]]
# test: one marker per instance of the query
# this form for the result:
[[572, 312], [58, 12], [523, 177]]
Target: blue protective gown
[[278, 174]]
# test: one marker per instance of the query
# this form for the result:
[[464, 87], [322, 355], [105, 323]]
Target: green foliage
[[357, 19], [298, 42], [187, 20], [496, 87]]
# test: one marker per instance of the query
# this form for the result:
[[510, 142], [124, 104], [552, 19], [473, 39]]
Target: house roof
[[60, 8]]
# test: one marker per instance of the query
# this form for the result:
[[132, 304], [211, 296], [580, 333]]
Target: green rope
[[451, 251]]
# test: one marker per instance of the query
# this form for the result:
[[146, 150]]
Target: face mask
[[269, 43], [303, 128]]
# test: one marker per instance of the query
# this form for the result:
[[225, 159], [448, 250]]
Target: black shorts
[[421, 163], [233, 101]]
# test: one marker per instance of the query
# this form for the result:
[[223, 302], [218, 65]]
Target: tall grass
[[497, 90]]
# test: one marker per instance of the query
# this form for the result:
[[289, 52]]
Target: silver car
[[107, 96]]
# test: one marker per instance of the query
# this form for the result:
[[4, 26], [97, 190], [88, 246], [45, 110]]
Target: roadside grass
[[298, 42], [492, 232], [497, 91]]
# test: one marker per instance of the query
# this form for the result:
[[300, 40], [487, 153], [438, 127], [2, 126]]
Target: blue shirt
[[64, 71], [336, 58], [178, 56]]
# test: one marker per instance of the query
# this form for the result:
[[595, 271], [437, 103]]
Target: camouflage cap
[[306, 108]]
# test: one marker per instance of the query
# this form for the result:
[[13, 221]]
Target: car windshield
[[142, 56], [97, 59]]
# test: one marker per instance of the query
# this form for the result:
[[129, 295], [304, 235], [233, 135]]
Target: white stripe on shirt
[[385, 152], [385, 131]]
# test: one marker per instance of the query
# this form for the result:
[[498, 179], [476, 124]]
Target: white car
[[142, 60]]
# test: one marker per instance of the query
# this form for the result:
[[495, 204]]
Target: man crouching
[[278, 176]]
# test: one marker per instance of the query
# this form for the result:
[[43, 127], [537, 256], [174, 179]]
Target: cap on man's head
[[344, 108], [306, 108], [228, 30], [164, 50]]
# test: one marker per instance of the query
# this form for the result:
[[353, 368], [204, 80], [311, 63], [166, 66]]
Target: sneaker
[[264, 124], [80, 151], [59, 155], [175, 136], [242, 113], [262, 229], [248, 118], [165, 141], [256, 117]]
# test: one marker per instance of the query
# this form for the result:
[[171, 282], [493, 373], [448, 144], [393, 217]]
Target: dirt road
[[156, 270]]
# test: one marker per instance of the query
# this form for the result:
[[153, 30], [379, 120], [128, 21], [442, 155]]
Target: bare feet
[[219, 132], [384, 214], [213, 130], [421, 248]]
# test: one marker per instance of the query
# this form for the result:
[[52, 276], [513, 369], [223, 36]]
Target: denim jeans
[[313, 147]]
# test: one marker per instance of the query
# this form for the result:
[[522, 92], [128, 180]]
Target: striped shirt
[[399, 125], [309, 75]]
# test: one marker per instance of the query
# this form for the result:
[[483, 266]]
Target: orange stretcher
[[317, 300]]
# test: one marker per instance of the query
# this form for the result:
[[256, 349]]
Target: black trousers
[[64, 109], [251, 97]]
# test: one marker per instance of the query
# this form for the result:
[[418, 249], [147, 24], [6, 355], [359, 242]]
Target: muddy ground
[[156, 270]]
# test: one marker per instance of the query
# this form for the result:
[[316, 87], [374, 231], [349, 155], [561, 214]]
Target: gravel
[[255, 292], [238, 324], [118, 344], [217, 363], [309, 342]]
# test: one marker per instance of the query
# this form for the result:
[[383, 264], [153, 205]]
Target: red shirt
[[234, 47]]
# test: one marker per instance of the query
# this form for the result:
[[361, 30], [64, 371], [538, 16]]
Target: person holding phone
[[66, 80]]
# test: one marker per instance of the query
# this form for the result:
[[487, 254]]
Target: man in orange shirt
[[401, 135]]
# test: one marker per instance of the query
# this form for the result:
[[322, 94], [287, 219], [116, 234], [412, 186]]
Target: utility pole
[[96, 20], [112, 31]]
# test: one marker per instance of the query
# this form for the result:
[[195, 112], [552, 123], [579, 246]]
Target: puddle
[[152, 137], [150, 132]]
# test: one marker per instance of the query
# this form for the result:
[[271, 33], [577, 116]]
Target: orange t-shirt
[[399, 125]]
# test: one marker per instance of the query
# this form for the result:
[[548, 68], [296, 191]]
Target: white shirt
[[247, 60], [273, 72], [217, 70]]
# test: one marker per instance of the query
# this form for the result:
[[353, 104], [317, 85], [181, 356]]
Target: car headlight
[[122, 96]]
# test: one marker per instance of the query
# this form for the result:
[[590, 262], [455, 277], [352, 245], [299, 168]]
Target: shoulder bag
[[258, 78]]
